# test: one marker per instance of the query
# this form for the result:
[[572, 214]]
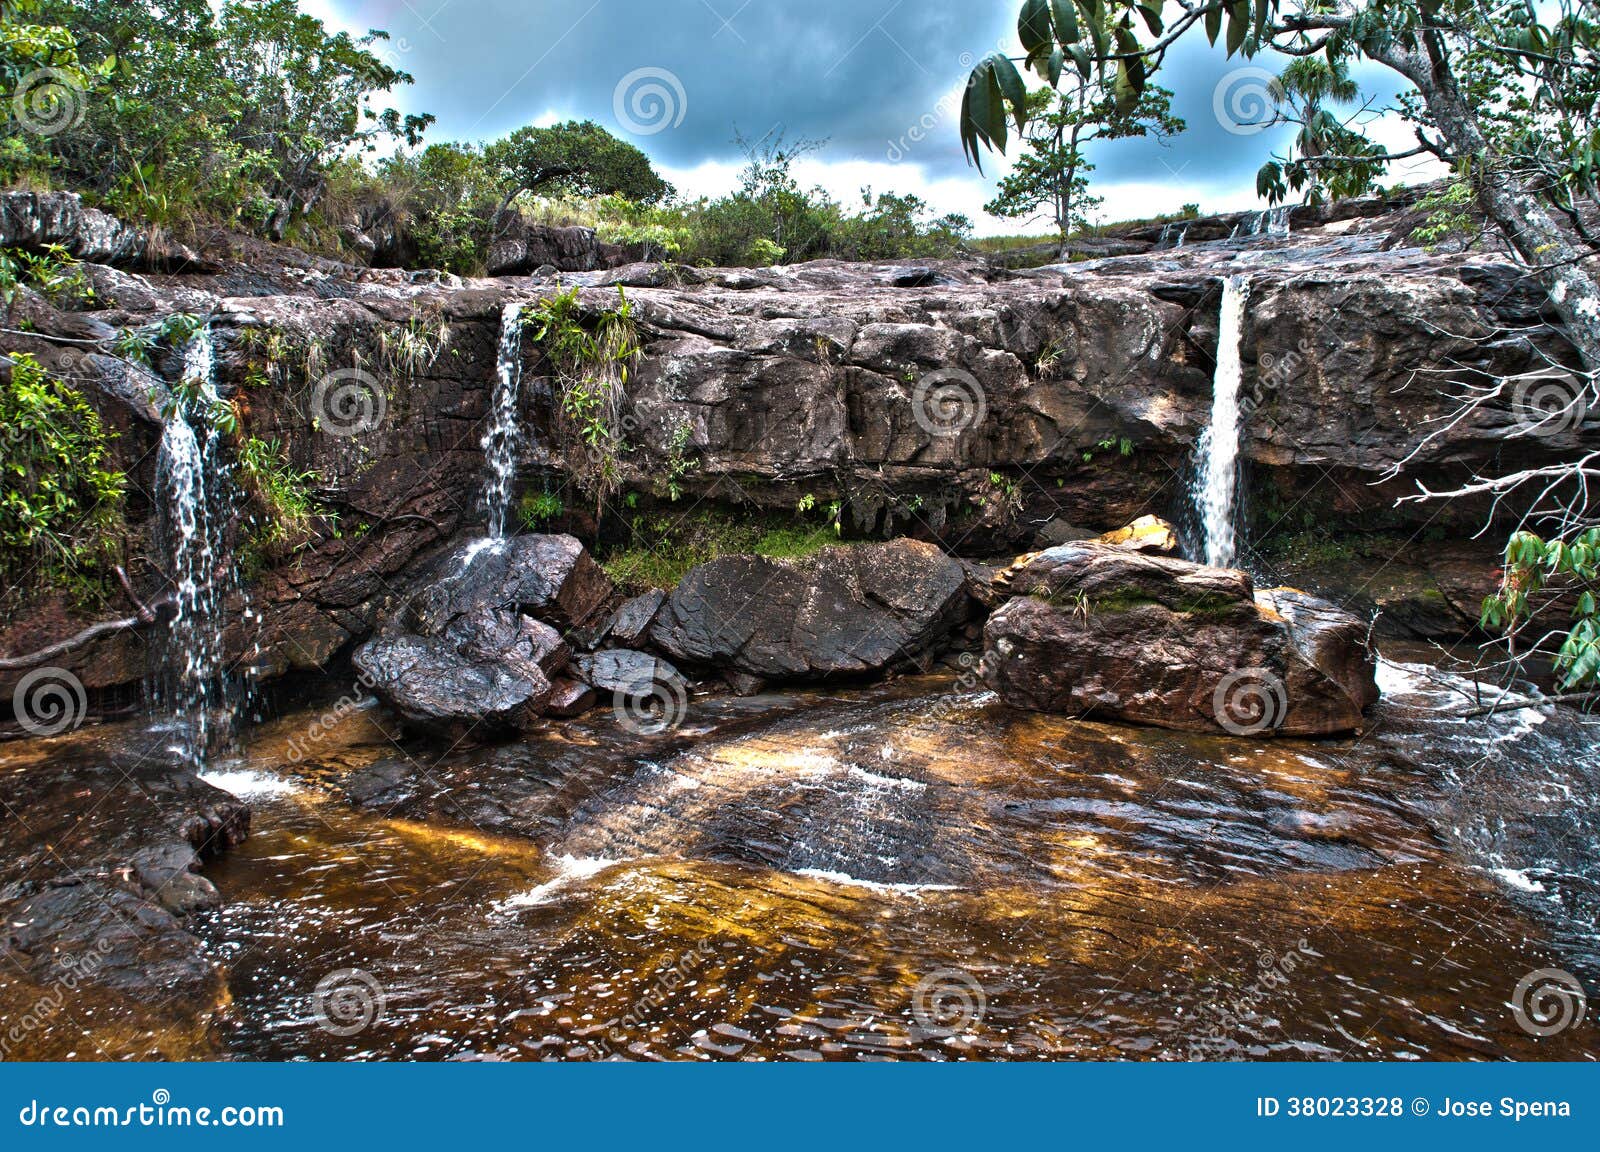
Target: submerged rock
[[848, 611], [1100, 630]]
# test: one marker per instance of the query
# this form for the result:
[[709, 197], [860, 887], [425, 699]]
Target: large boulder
[[1098, 630], [477, 642], [847, 611], [521, 247]]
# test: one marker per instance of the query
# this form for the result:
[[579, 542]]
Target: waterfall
[[1218, 449], [501, 441], [1272, 222], [193, 486], [1167, 240]]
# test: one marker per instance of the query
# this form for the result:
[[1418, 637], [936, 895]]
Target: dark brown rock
[[1099, 630], [625, 672], [569, 698], [436, 688], [631, 623], [848, 611]]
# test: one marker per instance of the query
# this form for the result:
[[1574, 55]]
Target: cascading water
[[193, 482], [1273, 222], [504, 436], [1218, 449], [1172, 236]]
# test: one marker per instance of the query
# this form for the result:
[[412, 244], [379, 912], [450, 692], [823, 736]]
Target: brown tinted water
[[911, 870]]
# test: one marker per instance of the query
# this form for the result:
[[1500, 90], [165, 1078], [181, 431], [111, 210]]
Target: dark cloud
[[872, 76]]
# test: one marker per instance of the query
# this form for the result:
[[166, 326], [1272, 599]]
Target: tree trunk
[[1524, 222]]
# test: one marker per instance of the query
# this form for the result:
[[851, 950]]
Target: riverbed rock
[[1098, 630], [624, 672], [435, 687], [847, 611], [631, 623], [551, 578]]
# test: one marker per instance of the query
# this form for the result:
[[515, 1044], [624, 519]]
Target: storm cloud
[[880, 80]]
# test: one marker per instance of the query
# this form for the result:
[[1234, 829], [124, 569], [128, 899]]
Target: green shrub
[[60, 504]]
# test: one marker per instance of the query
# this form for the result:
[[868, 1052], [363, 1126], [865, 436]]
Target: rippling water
[[914, 871]]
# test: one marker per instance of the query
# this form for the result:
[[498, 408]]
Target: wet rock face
[[101, 845], [478, 640], [1097, 630], [848, 611]]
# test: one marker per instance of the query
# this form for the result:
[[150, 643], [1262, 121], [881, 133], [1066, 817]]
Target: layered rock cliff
[[981, 408]]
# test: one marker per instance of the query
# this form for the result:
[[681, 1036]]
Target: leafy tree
[[185, 112], [1051, 178], [578, 158], [1306, 94]]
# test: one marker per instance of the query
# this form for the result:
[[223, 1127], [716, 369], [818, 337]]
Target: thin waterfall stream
[[1216, 484], [192, 477], [504, 437]]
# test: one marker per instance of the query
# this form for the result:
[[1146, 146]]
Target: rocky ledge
[[101, 845], [984, 410]]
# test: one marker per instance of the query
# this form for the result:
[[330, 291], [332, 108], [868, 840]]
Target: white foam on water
[[873, 885], [571, 870], [246, 784], [1518, 879]]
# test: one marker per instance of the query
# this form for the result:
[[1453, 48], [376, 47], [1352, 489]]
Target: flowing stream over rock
[[825, 874], [1217, 452], [504, 437]]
